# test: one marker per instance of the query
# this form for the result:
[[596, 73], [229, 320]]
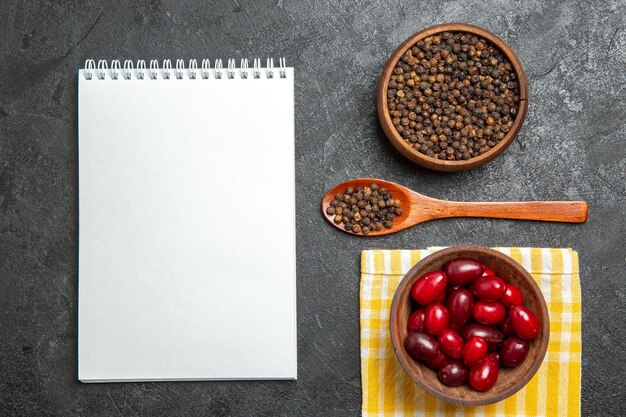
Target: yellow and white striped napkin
[[553, 391]]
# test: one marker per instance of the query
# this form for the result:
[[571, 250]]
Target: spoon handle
[[549, 211]]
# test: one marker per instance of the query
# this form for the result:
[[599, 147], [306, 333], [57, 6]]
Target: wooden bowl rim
[[438, 164], [491, 396]]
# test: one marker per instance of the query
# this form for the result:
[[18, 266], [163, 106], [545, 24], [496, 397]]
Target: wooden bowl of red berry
[[452, 97], [469, 325]]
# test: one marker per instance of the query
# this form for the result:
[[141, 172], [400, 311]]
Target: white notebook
[[186, 221]]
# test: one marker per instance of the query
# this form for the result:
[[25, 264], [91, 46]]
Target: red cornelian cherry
[[512, 296], [428, 287], [460, 306], [488, 312], [453, 374], [436, 319], [461, 271], [525, 324], [474, 350], [421, 346], [513, 351], [415, 323], [490, 288], [484, 374], [451, 343]]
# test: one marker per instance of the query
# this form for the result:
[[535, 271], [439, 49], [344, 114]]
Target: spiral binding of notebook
[[102, 70]]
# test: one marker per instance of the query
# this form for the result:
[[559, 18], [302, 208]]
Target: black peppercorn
[[449, 87], [364, 209]]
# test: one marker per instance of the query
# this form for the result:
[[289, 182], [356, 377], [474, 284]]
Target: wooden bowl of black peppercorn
[[452, 97]]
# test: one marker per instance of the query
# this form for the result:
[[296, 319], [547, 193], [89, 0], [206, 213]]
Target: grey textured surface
[[572, 146]]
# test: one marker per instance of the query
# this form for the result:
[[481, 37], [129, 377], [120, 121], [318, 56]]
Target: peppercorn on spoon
[[418, 208]]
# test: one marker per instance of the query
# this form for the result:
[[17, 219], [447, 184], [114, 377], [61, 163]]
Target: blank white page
[[187, 228]]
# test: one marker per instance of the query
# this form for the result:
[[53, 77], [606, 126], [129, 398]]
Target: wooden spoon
[[418, 208]]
